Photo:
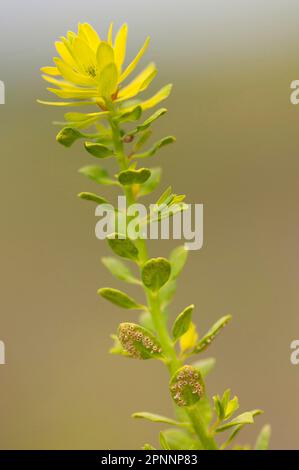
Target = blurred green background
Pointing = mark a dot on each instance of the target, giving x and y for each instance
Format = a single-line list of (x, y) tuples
[(231, 64)]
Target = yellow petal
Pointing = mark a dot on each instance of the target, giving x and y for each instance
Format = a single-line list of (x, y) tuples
[(77, 117), (64, 52), (189, 339), (110, 31), (85, 57), (157, 98), (71, 36), (134, 62), (76, 93), (108, 81), (65, 85), (139, 84), (63, 103), (120, 46), (54, 81), (105, 56), (89, 35), (70, 75), (51, 71)]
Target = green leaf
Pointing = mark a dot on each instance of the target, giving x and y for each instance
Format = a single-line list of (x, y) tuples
[(205, 365), (123, 247), (186, 386), (218, 407), (241, 420), (151, 184), (119, 270), (177, 439), (145, 319), (83, 120), (119, 298), (182, 322), (157, 146), (93, 197), (97, 174), (148, 447), (178, 258), (231, 407), (147, 123), (98, 150), (117, 348), (155, 273), (163, 441), (225, 407), (212, 333), (167, 293), (263, 440), (141, 141), (205, 410), (157, 418), (164, 198), (131, 115), (68, 135), (139, 342), (129, 177)]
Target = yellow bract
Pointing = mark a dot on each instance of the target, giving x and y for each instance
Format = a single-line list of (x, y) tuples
[(91, 70), (189, 339)]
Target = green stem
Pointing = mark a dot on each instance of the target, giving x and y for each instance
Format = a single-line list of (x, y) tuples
[(206, 439), (154, 304)]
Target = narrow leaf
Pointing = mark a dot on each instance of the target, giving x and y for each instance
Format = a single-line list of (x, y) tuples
[(212, 333), (97, 174), (147, 123), (141, 141), (156, 418), (119, 298), (178, 258), (263, 440), (117, 348), (182, 322), (148, 447), (151, 184), (177, 439), (244, 418), (163, 441), (119, 270), (154, 149), (131, 115), (205, 365), (93, 197)]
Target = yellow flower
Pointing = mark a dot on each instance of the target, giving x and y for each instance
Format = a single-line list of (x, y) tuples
[(91, 70)]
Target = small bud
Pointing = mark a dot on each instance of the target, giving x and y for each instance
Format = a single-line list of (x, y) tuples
[(186, 386), (139, 342), (128, 139)]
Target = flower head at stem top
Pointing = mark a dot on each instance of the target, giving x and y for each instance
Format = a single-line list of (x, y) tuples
[(91, 70)]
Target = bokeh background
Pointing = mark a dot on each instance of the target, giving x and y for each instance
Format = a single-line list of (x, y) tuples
[(231, 63)]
